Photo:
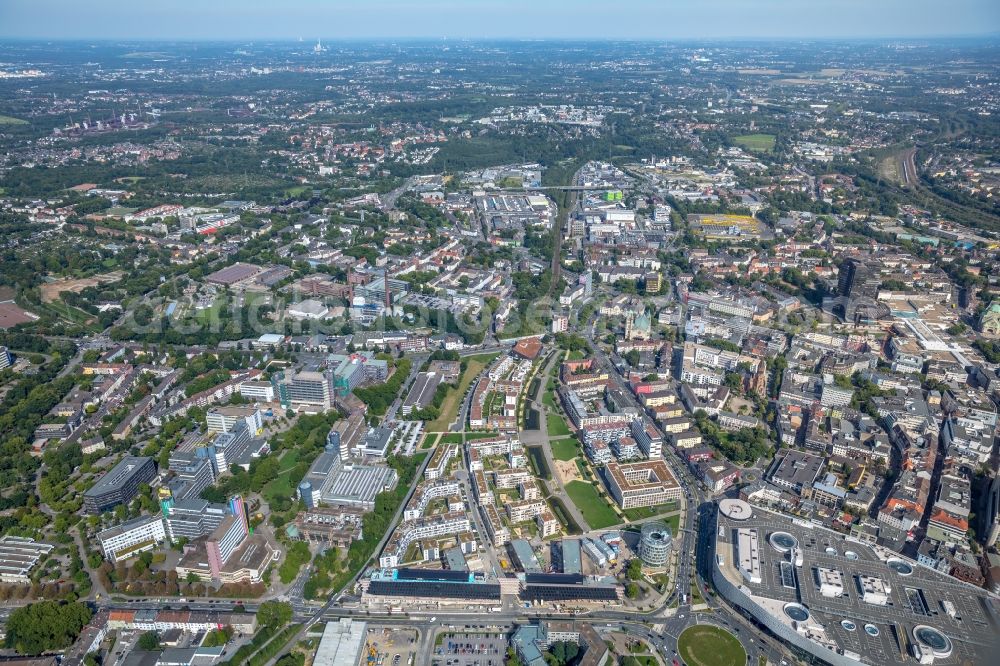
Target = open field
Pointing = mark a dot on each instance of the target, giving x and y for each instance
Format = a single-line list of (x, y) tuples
[(12, 314), (595, 509), (50, 290), (565, 449), (555, 426), (707, 645), (11, 120), (71, 313), (449, 407), (761, 143)]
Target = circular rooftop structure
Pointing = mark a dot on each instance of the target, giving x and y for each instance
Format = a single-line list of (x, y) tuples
[(899, 566), (933, 640), (872, 630), (796, 612), (655, 543), (735, 509), (831, 551), (783, 542), (851, 555), (848, 625)]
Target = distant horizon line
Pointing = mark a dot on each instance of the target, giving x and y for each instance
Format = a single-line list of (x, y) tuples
[(445, 39)]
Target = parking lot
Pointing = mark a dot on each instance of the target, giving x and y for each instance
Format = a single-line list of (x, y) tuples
[(470, 649), (393, 646)]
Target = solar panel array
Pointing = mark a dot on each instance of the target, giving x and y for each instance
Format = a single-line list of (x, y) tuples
[(435, 589)]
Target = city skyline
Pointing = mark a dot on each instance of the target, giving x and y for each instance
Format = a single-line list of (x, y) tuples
[(518, 19)]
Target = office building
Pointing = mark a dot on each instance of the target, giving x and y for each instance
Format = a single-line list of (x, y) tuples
[(307, 390), (231, 448), (225, 418), (648, 439), (192, 518), (6, 359), (655, 544), (639, 484), (259, 391), (192, 472), (132, 538), (120, 485), (408, 585), (840, 600)]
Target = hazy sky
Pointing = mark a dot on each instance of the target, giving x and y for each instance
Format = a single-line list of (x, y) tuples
[(563, 19)]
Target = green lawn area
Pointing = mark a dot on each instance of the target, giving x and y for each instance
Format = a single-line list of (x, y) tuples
[(644, 512), (449, 407), (11, 120), (210, 314), (279, 486), (556, 426), (673, 522), (72, 313), (548, 399), (761, 143), (639, 660), (288, 460), (595, 509), (707, 645), (430, 440), (565, 449), (456, 437)]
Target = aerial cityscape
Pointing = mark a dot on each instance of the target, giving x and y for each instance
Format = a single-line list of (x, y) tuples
[(493, 349)]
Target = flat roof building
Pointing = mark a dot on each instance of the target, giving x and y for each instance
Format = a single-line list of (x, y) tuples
[(571, 562), (843, 601), (796, 470), (231, 275), (334, 482), (646, 483), (341, 643), (308, 309), (131, 538), (18, 555), (421, 393), (120, 485)]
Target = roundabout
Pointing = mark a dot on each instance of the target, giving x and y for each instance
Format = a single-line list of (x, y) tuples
[(708, 645)]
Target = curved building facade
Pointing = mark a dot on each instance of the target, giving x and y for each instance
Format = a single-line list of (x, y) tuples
[(843, 601), (655, 544)]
